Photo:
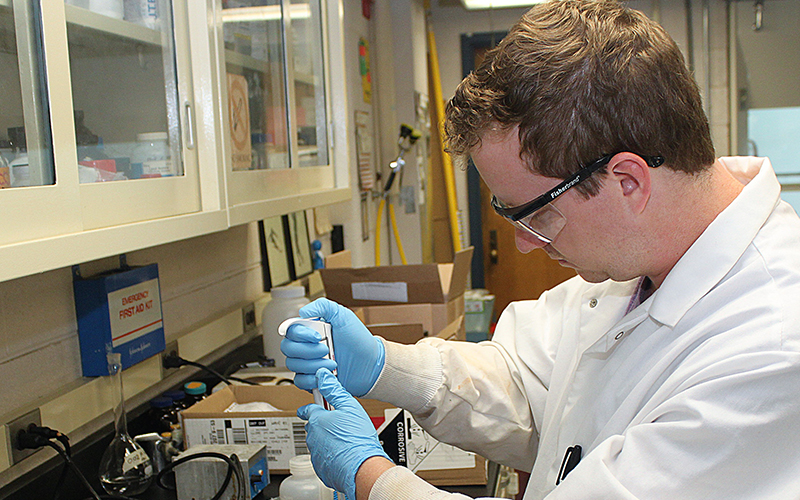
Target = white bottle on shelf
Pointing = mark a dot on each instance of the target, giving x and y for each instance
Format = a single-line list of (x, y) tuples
[(303, 484), (152, 154)]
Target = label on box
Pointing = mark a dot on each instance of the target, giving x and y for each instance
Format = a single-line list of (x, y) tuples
[(285, 437), (410, 446), (134, 311), (387, 292)]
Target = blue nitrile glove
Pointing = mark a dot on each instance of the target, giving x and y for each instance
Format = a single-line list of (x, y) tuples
[(339, 440), (359, 355)]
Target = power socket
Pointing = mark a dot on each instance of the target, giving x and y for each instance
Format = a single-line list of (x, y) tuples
[(171, 348), (249, 317), (20, 424)]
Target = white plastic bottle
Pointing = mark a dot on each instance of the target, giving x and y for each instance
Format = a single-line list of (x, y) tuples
[(152, 155), (303, 484), (286, 303)]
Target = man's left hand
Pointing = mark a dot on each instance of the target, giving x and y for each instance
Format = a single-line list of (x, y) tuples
[(339, 440)]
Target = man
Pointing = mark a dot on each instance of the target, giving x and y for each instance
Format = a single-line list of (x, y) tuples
[(669, 368)]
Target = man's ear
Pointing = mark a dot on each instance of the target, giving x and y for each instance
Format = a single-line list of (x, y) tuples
[(631, 176)]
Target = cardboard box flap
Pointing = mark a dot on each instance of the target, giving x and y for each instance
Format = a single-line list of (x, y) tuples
[(458, 277)]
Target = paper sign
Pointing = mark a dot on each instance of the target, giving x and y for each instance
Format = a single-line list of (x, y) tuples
[(387, 292), (134, 311)]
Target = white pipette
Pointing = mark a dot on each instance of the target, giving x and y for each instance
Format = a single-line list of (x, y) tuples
[(324, 329)]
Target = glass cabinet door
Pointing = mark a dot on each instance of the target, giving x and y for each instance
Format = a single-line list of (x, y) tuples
[(256, 84), (26, 157), (124, 91), (309, 89)]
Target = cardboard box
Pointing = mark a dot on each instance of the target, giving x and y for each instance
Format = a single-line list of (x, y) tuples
[(431, 295), (284, 434), (411, 333), (394, 285)]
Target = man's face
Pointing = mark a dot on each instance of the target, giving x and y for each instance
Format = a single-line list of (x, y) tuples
[(588, 242)]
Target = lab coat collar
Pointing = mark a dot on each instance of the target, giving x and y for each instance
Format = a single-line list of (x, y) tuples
[(723, 242)]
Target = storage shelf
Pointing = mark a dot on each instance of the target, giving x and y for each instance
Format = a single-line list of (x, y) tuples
[(248, 62), (98, 23)]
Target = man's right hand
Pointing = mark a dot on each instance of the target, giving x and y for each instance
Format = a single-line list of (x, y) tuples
[(359, 355)]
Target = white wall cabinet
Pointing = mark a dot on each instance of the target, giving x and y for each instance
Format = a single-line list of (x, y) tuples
[(119, 131), (280, 70)]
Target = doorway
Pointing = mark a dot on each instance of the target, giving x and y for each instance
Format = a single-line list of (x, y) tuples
[(765, 75), (497, 265)]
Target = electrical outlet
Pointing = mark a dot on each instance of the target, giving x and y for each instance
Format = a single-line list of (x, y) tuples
[(13, 427), (171, 348), (249, 317)]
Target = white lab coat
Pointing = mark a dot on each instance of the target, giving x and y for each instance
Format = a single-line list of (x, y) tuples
[(695, 394)]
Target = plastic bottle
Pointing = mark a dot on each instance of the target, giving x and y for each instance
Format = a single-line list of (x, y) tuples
[(195, 392), (286, 303), (178, 398), (160, 414), (303, 484), (151, 156)]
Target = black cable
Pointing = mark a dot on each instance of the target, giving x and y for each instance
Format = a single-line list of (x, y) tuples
[(233, 468), (175, 361), (74, 468)]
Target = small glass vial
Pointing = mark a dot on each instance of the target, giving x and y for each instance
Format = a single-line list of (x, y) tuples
[(303, 484), (195, 392)]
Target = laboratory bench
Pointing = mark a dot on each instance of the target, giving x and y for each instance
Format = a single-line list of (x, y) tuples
[(40, 484)]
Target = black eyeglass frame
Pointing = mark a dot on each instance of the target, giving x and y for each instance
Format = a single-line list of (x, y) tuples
[(521, 211)]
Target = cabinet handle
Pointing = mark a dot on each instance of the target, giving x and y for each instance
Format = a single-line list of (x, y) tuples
[(189, 125)]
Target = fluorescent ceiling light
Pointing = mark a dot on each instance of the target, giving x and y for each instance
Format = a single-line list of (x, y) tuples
[(264, 13), (497, 4)]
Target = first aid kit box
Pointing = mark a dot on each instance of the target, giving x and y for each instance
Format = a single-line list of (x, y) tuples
[(118, 311)]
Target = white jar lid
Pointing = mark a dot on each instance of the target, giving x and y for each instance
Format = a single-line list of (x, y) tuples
[(152, 136)]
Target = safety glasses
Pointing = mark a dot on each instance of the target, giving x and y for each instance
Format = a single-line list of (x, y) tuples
[(543, 220)]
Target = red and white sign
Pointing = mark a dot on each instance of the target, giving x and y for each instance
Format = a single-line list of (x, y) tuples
[(134, 311)]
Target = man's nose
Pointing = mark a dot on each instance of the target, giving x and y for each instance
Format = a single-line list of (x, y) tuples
[(526, 242)]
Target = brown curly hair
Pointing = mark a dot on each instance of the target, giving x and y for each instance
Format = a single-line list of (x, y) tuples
[(584, 78)]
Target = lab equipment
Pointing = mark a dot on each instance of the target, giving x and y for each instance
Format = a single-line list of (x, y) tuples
[(286, 303), (303, 483), (339, 441), (360, 355), (204, 475), (324, 330), (125, 468)]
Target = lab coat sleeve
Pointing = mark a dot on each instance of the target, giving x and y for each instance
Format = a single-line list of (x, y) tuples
[(464, 394), (729, 431), (399, 482)]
